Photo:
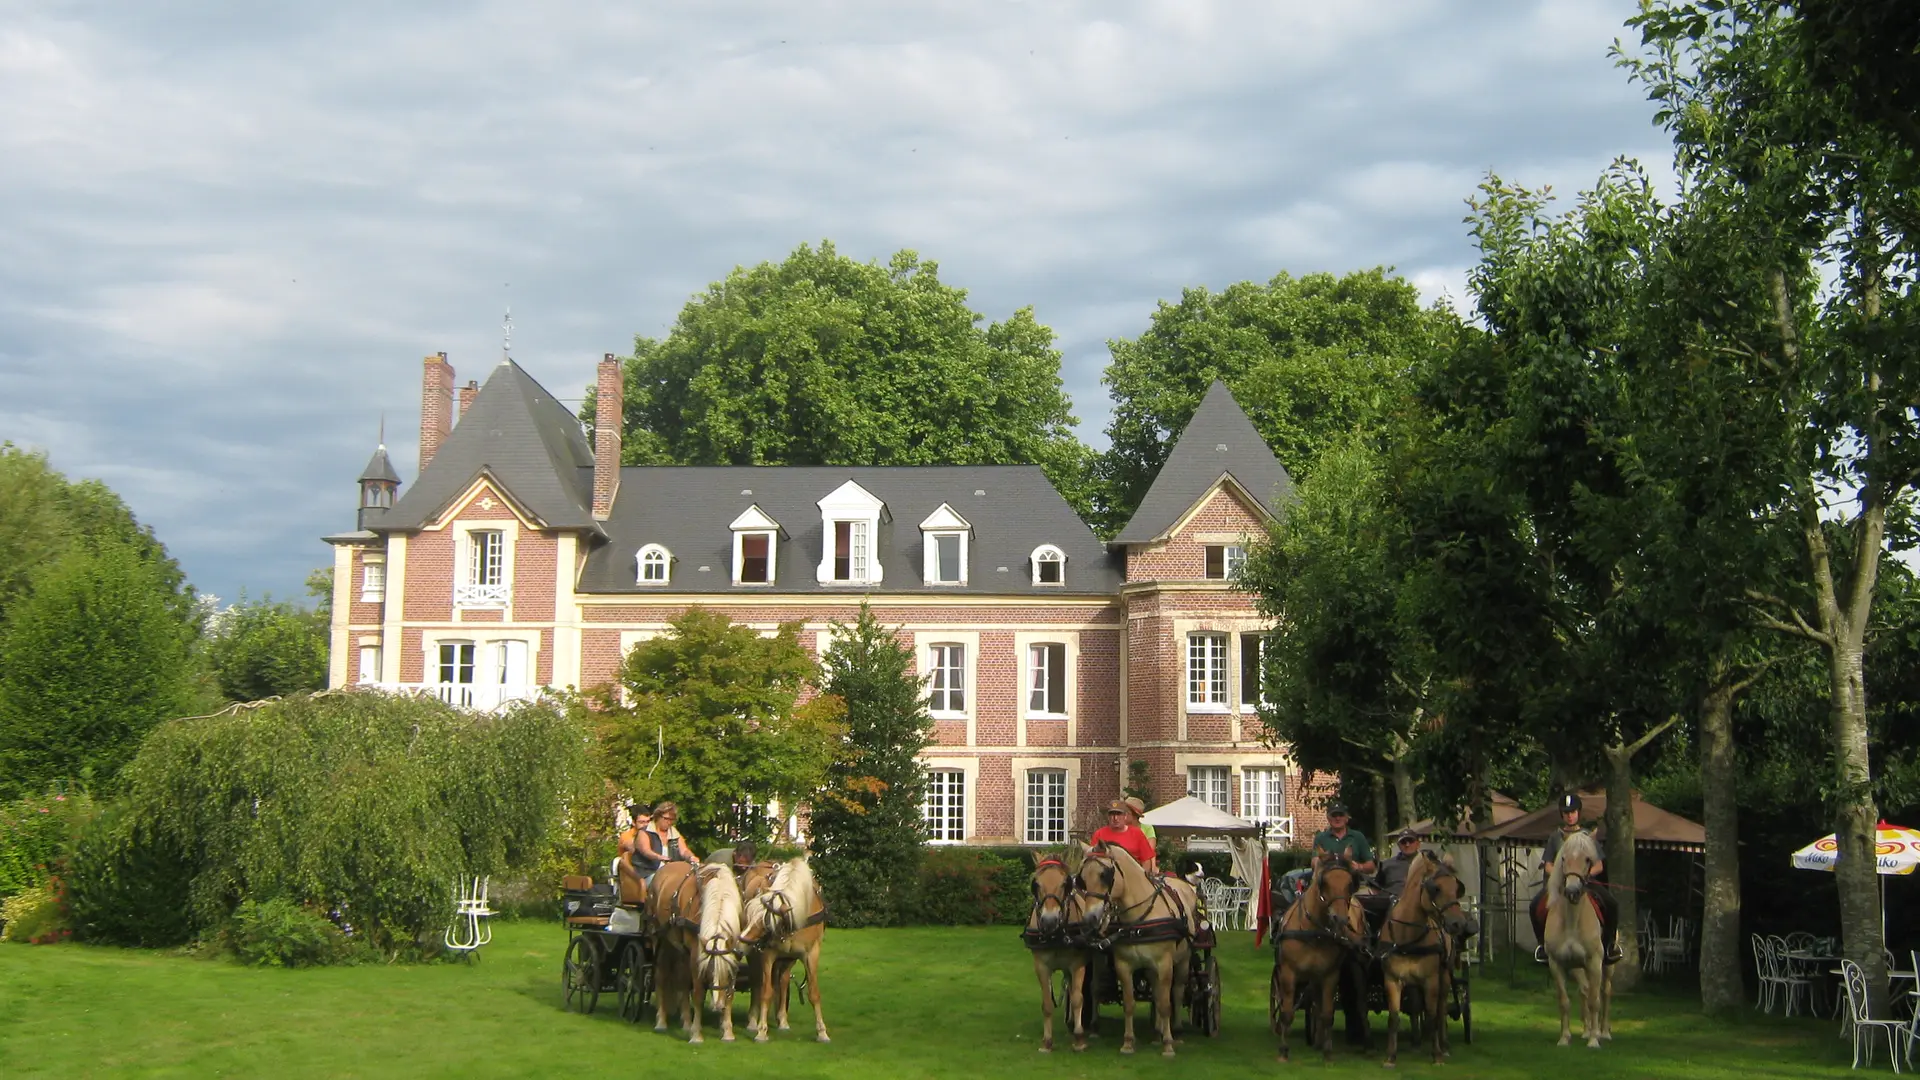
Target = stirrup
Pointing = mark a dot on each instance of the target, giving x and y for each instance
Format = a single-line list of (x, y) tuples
[(1616, 954), (1539, 954)]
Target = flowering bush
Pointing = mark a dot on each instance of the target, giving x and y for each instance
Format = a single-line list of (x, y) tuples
[(36, 916), (34, 833)]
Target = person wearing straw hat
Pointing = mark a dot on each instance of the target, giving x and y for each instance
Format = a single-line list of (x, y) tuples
[(1122, 830)]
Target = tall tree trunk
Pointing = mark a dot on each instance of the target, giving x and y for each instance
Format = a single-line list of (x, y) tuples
[(1721, 990), (1622, 873), (1857, 817), (1379, 781), (1403, 788)]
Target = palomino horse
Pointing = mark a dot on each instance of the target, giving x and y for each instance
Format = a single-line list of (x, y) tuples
[(1052, 936), (1150, 920), (1422, 930), (695, 911), (1312, 944), (1574, 941), (785, 922)]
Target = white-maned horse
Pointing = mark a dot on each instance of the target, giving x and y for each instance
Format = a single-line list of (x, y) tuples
[(1574, 941)]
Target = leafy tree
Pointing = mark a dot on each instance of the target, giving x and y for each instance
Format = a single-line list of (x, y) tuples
[(1819, 204), (867, 824), (266, 649), (712, 720), (823, 360), (90, 661), (1310, 359)]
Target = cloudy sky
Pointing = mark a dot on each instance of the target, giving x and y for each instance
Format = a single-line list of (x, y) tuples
[(231, 231)]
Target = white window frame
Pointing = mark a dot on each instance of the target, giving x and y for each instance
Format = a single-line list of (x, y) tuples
[(1020, 767), (1270, 784), (1232, 558), (1047, 553), (369, 671), (655, 555), (1207, 682), (923, 643), (852, 504), (373, 579), (1258, 639), (1046, 775), (1038, 677), (944, 667), (944, 522), (947, 822), (1216, 779), (469, 591), (859, 556), (755, 522)]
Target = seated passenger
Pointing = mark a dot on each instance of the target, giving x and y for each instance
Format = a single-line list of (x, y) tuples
[(659, 843), (1123, 832)]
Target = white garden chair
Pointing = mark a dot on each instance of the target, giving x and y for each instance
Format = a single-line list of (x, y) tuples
[(1763, 970), (470, 927), (1791, 979), (1863, 1026)]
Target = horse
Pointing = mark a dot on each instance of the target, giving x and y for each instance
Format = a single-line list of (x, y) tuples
[(1052, 938), (1311, 945), (695, 911), (1152, 920), (785, 921), (1574, 941), (1422, 929)]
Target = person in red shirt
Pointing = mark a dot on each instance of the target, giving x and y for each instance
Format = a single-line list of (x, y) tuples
[(1124, 833)]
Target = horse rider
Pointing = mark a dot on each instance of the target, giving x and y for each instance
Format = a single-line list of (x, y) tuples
[(1609, 909), (1393, 869), (659, 843), (1338, 838), (1122, 830)]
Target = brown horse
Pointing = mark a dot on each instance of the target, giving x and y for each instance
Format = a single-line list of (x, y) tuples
[(1423, 928), (1150, 921), (695, 911), (1574, 942), (1051, 935), (785, 921), (1312, 943)]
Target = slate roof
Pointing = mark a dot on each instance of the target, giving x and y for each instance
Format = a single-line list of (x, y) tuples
[(687, 510), (380, 467), (526, 439), (1219, 439)]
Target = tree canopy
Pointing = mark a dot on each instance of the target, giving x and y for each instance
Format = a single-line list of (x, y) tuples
[(264, 648), (824, 360)]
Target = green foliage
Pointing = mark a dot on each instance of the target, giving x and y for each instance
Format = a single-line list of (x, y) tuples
[(364, 806), (1311, 359), (822, 360), (35, 832), (90, 661), (1139, 781), (127, 880), (724, 703), (281, 933), (37, 916), (960, 886), (867, 824), (265, 649)]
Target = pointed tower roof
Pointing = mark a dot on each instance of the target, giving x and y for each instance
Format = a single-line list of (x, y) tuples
[(520, 435), (1219, 441), (379, 467)]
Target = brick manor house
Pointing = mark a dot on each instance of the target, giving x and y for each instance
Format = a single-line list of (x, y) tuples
[(524, 556)]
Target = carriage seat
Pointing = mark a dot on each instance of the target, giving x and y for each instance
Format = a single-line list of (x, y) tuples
[(630, 889)]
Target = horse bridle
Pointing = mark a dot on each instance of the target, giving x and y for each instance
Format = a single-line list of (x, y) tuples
[(1431, 887), (1326, 923), (1040, 899), (1108, 908)]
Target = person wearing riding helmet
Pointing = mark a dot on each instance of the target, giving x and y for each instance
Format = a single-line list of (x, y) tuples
[(1609, 910)]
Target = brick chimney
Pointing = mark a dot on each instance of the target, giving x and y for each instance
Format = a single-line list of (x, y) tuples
[(607, 418), (467, 394), (436, 405)]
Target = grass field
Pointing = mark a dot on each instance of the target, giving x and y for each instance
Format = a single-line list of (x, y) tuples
[(918, 1002)]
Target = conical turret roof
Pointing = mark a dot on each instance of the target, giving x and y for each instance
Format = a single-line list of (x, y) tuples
[(1219, 440), (380, 467)]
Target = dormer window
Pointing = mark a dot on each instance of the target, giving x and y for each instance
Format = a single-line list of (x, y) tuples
[(1223, 561), (850, 528), (656, 565), (754, 547), (1049, 565), (946, 536)]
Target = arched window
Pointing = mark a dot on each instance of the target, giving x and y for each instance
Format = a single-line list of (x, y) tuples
[(656, 564), (1049, 565)]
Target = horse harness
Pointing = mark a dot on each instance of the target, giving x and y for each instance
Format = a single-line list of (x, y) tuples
[(1067, 935), (1322, 930), (1171, 928), (1432, 925)]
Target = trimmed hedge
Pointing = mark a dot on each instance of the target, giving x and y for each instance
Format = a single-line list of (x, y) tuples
[(962, 885)]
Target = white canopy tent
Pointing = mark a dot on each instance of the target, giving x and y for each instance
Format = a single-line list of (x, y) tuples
[(1192, 817)]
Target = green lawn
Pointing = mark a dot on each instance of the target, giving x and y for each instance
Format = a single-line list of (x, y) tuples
[(900, 1003)]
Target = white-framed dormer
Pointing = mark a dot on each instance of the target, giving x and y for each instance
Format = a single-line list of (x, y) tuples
[(850, 533), (945, 535), (1049, 565), (756, 543), (483, 563), (653, 565)]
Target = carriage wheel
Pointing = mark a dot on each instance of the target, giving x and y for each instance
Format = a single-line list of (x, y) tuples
[(1093, 983), (1273, 1000), (635, 980), (1463, 992), (1203, 996), (580, 973)]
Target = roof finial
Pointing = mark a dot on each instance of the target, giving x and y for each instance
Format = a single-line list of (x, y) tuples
[(383, 429), (506, 337)]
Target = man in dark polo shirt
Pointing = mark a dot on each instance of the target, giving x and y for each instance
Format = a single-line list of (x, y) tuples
[(1338, 839)]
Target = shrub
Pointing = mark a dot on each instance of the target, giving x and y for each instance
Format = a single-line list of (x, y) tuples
[(34, 833), (359, 804), (281, 933), (971, 885), (35, 916)]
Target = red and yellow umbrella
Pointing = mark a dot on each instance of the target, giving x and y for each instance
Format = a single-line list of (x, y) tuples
[(1896, 851)]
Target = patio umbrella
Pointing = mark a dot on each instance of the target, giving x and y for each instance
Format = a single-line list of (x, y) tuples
[(1896, 847)]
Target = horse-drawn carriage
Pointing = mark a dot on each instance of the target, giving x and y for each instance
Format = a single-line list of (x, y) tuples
[(608, 951)]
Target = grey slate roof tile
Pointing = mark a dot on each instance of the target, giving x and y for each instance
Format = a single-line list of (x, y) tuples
[(687, 509), (1219, 439)]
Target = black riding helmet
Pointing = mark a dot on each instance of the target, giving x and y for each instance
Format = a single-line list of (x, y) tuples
[(1570, 802)]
